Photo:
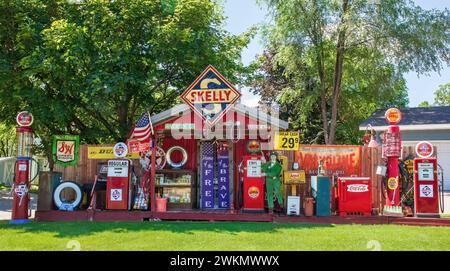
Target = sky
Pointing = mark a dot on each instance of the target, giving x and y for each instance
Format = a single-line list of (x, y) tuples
[(243, 14)]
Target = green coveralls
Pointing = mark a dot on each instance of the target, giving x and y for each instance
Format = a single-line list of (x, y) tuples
[(273, 182)]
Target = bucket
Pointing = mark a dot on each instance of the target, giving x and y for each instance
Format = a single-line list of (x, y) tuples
[(161, 205), (309, 206)]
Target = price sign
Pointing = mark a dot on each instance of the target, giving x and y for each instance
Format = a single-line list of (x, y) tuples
[(289, 141)]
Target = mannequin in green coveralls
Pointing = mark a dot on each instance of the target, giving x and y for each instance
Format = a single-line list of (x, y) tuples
[(272, 171)]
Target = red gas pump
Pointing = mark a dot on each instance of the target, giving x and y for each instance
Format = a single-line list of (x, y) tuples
[(426, 191), (118, 180), (22, 178), (392, 150), (253, 191)]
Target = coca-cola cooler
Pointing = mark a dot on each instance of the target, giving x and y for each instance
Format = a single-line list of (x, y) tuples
[(354, 196)]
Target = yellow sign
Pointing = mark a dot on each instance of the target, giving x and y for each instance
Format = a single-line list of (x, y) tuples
[(106, 153), (288, 141), (294, 176), (392, 183)]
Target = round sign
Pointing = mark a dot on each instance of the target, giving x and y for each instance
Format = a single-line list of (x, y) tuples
[(24, 119), (120, 150), (393, 116), (392, 183), (253, 192), (424, 149), (160, 158)]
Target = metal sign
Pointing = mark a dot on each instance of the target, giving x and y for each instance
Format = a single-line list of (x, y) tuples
[(120, 150), (66, 149), (210, 95), (424, 149), (288, 141), (101, 153), (118, 168)]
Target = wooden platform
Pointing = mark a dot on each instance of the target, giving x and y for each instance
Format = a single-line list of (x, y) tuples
[(146, 215), (232, 216)]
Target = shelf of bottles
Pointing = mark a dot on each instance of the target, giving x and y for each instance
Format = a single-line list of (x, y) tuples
[(178, 186)]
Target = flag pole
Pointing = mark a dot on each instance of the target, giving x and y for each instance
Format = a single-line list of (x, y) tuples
[(153, 167)]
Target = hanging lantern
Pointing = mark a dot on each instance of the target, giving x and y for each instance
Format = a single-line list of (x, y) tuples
[(373, 140), (370, 138)]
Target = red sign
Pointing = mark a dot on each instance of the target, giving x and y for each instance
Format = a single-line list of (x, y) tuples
[(136, 146), (424, 149), (393, 116), (24, 119), (338, 160), (210, 95)]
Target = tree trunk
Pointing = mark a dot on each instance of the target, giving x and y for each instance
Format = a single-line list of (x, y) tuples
[(340, 51), (122, 112), (51, 163)]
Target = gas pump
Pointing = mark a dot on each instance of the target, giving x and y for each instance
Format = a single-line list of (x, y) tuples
[(253, 187), (118, 180), (22, 178), (426, 190), (392, 150)]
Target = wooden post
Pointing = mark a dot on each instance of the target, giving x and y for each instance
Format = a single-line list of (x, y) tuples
[(153, 175)]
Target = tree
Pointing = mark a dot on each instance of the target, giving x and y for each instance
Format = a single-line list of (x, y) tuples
[(330, 37), (442, 95), (91, 68), (424, 104), (7, 140)]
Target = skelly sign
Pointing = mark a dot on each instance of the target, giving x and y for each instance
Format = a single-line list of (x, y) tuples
[(66, 149), (210, 95)]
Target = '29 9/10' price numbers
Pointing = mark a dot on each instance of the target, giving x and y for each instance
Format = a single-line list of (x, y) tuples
[(289, 141)]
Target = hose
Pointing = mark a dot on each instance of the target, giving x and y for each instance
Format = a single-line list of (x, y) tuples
[(441, 189)]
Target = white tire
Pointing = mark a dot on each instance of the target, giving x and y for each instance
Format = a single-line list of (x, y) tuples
[(70, 185), (169, 159)]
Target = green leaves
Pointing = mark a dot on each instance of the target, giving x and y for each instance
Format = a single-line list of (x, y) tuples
[(442, 95), (92, 68), (374, 42)]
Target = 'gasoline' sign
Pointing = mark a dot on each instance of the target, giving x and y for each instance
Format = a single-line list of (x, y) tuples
[(289, 141), (210, 95)]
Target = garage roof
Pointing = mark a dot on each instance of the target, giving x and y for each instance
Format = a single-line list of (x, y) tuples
[(414, 118)]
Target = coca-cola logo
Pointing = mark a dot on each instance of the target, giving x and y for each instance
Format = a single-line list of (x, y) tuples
[(358, 188)]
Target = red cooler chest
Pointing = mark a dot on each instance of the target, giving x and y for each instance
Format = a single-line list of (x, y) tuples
[(354, 196)]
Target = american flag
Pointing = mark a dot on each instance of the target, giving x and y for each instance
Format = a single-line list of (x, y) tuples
[(143, 128)]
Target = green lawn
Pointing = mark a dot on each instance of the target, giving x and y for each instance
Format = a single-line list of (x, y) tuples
[(219, 236)]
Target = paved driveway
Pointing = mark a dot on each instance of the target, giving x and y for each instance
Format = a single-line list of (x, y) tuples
[(6, 204)]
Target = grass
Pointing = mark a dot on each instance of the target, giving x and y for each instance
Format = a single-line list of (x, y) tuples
[(219, 236), (3, 186)]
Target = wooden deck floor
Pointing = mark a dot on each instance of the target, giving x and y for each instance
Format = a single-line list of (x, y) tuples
[(231, 216)]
